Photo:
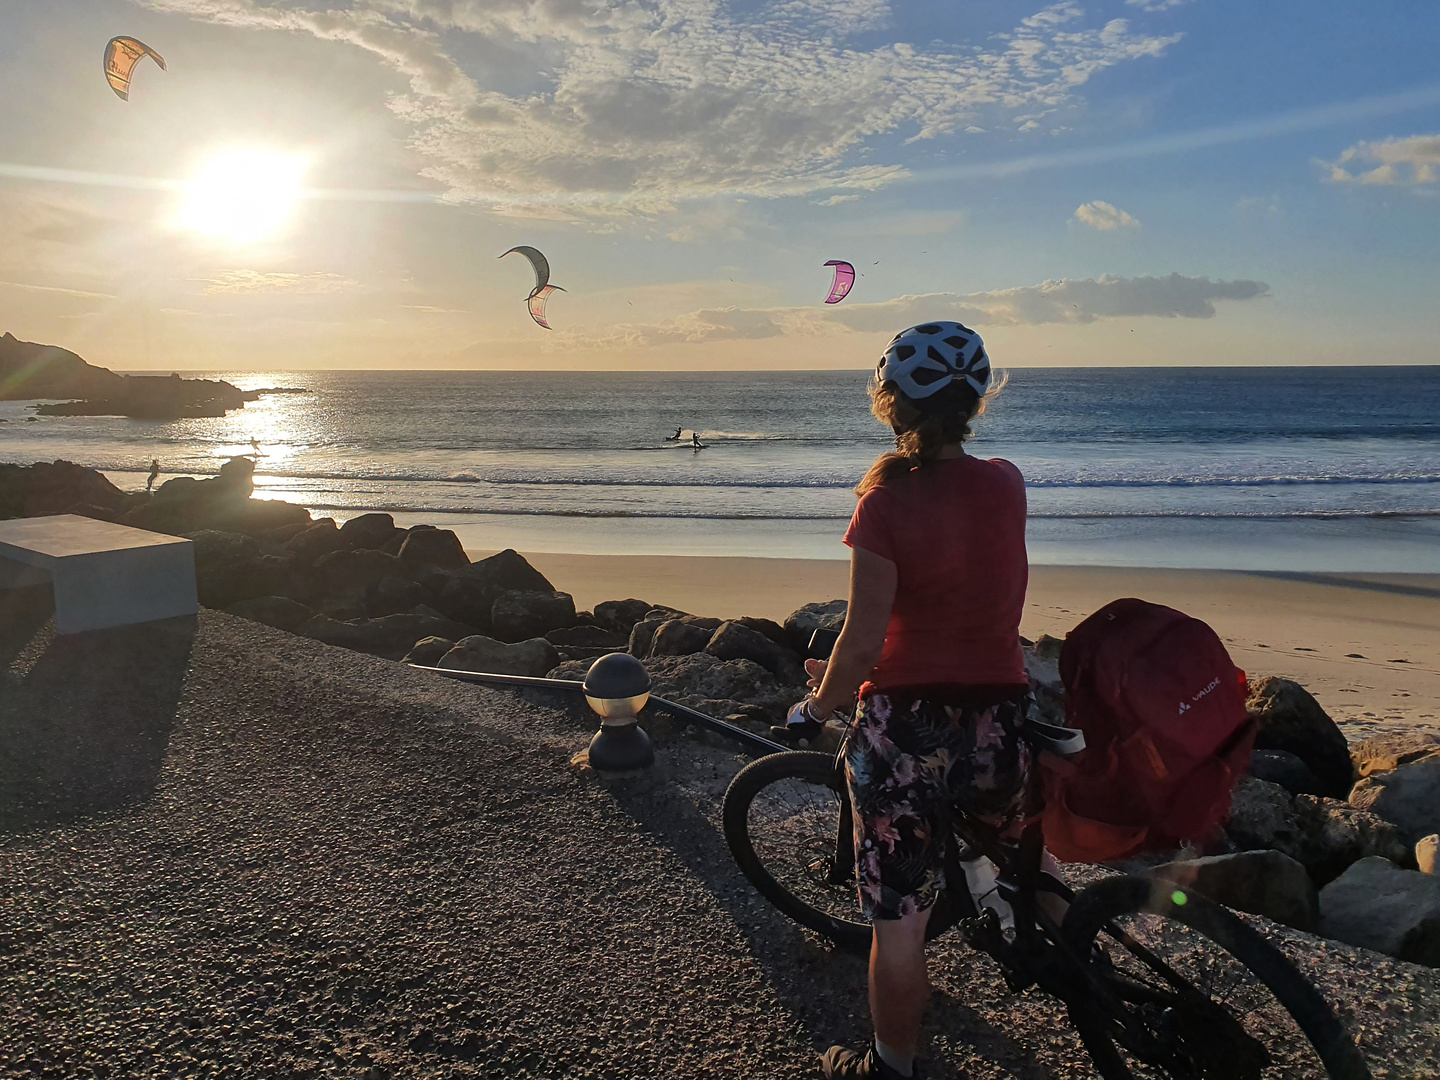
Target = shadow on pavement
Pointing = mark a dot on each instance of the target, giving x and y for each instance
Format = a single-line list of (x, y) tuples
[(85, 719), (823, 988)]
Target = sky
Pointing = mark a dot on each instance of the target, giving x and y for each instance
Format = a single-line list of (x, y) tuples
[(322, 184)]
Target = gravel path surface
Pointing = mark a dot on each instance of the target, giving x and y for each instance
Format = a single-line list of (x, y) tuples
[(234, 852)]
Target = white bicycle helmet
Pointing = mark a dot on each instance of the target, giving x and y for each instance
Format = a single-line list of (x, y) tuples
[(925, 359)]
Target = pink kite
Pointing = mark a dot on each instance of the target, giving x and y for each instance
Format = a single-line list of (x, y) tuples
[(537, 300), (844, 278)]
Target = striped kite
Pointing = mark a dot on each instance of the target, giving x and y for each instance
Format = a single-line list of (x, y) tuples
[(536, 303)]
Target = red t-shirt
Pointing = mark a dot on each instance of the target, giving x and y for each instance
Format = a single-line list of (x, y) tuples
[(955, 530)]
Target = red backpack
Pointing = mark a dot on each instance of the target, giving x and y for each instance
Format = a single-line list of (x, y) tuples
[(1163, 711)]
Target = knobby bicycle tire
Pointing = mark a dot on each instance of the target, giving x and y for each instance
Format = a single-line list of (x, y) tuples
[(810, 767), (1095, 911)]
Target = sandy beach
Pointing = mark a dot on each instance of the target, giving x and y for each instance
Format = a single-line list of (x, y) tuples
[(1366, 645)]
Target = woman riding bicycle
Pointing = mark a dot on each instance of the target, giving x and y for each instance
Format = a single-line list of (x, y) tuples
[(931, 644)]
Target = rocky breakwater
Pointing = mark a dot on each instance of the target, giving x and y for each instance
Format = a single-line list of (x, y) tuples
[(1332, 838), (181, 506)]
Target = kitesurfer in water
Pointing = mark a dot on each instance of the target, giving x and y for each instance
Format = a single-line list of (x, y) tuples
[(695, 440), (675, 437)]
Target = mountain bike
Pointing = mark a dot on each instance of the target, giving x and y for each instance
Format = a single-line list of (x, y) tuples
[(1157, 980)]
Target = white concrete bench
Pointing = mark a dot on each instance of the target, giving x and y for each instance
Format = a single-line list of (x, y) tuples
[(103, 574)]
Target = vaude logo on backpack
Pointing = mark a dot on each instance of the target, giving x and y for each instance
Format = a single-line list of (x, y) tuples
[(1162, 707)]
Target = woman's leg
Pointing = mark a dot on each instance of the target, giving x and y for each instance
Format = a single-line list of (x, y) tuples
[(899, 982)]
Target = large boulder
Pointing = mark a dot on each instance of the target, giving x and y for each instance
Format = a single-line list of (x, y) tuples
[(1427, 854), (434, 547), (1286, 769), (278, 611), (392, 595), (1290, 719), (533, 658), (229, 568), (642, 637), (391, 637), (428, 651), (467, 600), (1376, 905), (703, 676), (55, 488), (769, 627), (1323, 834), (508, 571), (212, 547), (1408, 796), (1391, 750), (587, 637), (343, 571), (368, 531), (314, 541), (804, 621), (184, 505), (1267, 883), (519, 616), (620, 615), (678, 637), (735, 641)]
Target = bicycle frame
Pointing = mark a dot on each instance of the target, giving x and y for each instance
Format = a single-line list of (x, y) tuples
[(1037, 954)]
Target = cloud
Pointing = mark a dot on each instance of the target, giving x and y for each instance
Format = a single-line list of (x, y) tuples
[(1104, 217), (1415, 160), (253, 281), (1082, 300), (642, 104), (57, 289)]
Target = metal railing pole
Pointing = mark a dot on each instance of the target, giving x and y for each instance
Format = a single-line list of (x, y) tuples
[(754, 745)]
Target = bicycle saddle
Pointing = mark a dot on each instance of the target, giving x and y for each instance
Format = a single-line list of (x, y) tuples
[(1059, 740)]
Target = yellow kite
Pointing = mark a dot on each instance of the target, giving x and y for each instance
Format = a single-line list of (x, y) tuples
[(121, 56)]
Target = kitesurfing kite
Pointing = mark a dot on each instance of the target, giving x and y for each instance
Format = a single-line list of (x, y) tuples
[(542, 290), (538, 261), (844, 278), (536, 303), (121, 56)]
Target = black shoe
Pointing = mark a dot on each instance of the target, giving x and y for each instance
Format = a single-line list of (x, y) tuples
[(838, 1063), (801, 734)]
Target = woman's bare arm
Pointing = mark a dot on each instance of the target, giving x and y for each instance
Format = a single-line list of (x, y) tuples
[(872, 594)]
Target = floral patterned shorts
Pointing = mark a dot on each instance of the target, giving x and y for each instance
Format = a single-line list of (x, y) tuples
[(910, 760)]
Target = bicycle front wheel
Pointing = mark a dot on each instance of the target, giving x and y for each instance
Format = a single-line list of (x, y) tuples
[(787, 822), (1183, 988)]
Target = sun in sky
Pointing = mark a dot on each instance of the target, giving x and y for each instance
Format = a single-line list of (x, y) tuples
[(242, 195)]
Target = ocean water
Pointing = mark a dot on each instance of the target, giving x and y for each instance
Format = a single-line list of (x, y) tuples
[(1268, 468)]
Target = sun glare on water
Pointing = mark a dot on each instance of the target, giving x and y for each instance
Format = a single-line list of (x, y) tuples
[(243, 196)]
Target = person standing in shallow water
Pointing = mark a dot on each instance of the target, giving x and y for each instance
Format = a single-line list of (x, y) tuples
[(931, 645), (154, 473)]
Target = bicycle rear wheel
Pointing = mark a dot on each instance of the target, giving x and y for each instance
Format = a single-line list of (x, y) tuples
[(787, 822), (1183, 988)]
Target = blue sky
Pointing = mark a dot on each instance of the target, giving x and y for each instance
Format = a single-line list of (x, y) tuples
[(1122, 182)]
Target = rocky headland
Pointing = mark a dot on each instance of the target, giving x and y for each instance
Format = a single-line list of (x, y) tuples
[(1324, 836), (32, 371)]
